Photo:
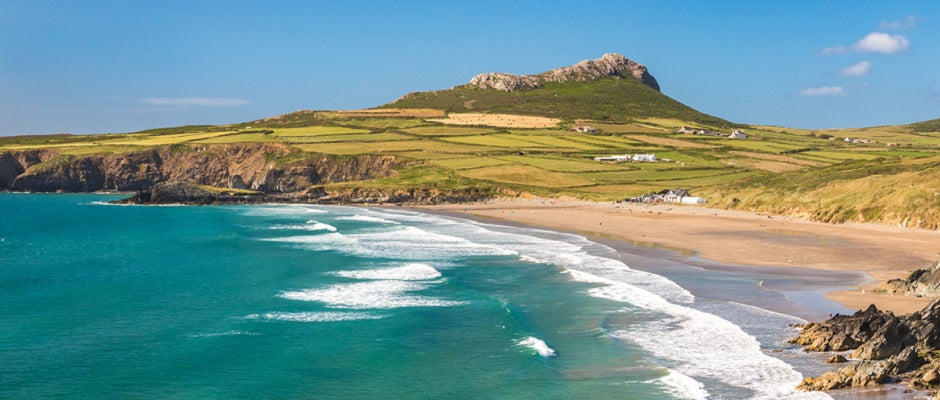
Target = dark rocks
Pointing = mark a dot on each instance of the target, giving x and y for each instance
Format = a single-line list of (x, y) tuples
[(189, 193), (836, 359), (889, 348), (921, 283), (842, 332)]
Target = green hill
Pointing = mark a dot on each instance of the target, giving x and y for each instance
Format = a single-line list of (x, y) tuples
[(605, 99)]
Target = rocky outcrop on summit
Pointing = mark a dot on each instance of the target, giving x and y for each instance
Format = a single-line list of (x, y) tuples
[(610, 65), (888, 348), (921, 283)]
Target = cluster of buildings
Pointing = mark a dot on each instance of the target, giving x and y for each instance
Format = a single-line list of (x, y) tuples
[(677, 196), (736, 134), (584, 129), (628, 157), (858, 141)]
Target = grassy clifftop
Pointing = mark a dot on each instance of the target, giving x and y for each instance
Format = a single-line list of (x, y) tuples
[(607, 99)]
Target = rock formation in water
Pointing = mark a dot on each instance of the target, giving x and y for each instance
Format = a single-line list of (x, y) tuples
[(887, 348), (610, 65)]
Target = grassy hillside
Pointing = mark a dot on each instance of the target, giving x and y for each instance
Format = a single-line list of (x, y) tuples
[(608, 99), (812, 173)]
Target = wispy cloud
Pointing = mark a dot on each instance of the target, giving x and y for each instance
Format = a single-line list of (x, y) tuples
[(859, 69), (875, 42), (823, 91), (194, 101), (931, 91), (907, 23)]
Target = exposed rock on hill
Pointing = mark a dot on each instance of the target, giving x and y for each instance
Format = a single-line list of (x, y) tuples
[(921, 283), (889, 348), (610, 65)]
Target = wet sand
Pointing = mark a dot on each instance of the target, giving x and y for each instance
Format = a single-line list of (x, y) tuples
[(740, 238), (810, 290)]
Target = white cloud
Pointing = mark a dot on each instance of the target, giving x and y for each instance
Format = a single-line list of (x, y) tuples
[(859, 69), (875, 42), (823, 91), (834, 50), (909, 22), (194, 101)]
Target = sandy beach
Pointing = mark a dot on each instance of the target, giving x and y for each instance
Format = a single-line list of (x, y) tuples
[(883, 252)]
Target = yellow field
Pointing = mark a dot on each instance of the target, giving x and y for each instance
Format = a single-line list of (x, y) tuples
[(469, 163), (498, 120), (623, 128), (393, 112), (446, 131), (526, 175), (671, 142), (494, 140), (317, 131), (362, 137), (387, 147), (158, 140)]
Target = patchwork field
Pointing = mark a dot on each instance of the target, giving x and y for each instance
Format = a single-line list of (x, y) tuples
[(540, 155), (499, 120)]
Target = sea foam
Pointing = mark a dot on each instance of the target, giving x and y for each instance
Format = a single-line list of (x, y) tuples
[(328, 316), (407, 272), (538, 345), (702, 345), (682, 386), (380, 294), (696, 344), (365, 218)]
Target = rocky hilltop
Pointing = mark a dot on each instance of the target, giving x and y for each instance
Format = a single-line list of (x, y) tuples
[(887, 348), (610, 65)]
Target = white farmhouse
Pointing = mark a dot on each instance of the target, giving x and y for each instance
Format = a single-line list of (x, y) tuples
[(737, 134), (625, 157)]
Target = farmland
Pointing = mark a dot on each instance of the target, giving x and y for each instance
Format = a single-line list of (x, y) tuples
[(551, 159)]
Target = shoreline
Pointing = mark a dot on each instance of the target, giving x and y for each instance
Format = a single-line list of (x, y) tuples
[(806, 302), (744, 239), (810, 297)]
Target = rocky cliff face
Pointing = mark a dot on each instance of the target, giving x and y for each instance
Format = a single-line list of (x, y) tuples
[(921, 283), (610, 65), (249, 166), (889, 348)]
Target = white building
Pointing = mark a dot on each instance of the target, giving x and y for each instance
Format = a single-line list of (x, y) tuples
[(584, 129), (625, 157), (737, 134), (644, 157)]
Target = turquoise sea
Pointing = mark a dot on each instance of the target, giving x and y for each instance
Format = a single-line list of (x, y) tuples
[(325, 302)]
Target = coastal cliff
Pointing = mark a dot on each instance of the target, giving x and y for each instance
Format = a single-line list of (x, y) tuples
[(887, 348), (266, 168), (222, 174)]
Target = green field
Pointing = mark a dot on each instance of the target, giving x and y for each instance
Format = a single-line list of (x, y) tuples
[(775, 170)]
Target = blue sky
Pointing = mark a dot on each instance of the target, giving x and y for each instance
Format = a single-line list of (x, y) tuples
[(118, 66)]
